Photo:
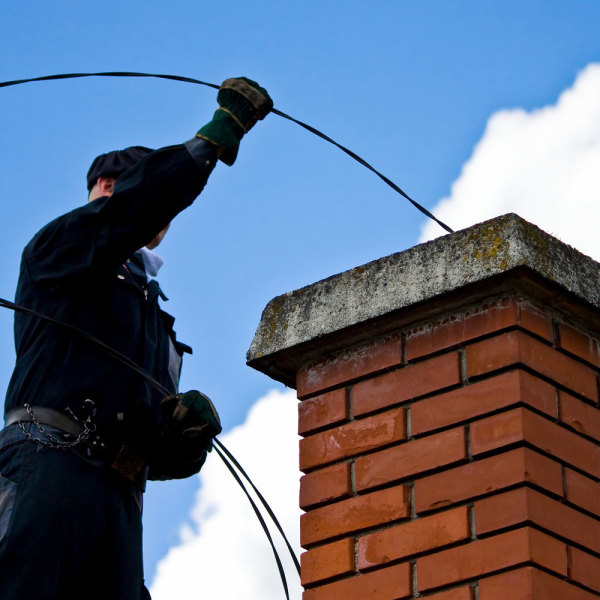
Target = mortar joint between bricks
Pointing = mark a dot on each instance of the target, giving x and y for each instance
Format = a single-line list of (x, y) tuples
[(353, 477), (408, 415), (471, 509), (475, 589), (462, 364), (411, 499), (413, 579), (468, 442), (555, 334), (350, 402)]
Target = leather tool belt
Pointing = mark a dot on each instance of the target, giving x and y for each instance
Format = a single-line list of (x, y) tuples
[(46, 416), (94, 449)]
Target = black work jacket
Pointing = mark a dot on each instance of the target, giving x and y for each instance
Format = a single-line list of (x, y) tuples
[(75, 270)]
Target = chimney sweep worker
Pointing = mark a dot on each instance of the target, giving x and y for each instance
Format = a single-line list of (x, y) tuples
[(83, 432)]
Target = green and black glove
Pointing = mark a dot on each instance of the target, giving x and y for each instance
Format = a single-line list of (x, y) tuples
[(242, 102), (191, 422)]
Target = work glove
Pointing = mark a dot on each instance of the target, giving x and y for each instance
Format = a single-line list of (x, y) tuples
[(242, 102), (191, 422)]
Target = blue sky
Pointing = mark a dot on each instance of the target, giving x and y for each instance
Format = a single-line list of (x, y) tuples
[(408, 85)]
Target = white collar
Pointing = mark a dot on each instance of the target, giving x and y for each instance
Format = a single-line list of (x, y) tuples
[(152, 262)]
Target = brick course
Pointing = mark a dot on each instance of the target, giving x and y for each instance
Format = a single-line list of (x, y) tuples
[(522, 425), (526, 505), (486, 476), (406, 383), (353, 438), (321, 411), (579, 343), (327, 561), (530, 584), (579, 415), (414, 537), (585, 568), (392, 583), (332, 371), (483, 397), (516, 347), (354, 514), (461, 593), (492, 554), (325, 484), (582, 491), (410, 458), (476, 322)]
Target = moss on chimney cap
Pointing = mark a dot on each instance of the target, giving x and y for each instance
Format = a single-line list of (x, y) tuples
[(368, 294)]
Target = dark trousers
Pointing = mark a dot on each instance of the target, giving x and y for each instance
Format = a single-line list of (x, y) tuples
[(68, 529)]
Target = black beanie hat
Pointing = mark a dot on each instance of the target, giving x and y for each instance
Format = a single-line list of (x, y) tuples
[(112, 164)]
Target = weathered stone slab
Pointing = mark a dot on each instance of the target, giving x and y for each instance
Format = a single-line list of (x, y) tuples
[(371, 295)]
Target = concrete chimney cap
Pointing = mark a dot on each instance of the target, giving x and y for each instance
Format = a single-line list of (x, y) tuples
[(443, 269)]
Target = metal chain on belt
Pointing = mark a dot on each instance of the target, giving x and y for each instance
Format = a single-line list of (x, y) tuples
[(52, 441)]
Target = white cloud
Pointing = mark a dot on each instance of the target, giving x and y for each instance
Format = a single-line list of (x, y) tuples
[(223, 552), (544, 165)]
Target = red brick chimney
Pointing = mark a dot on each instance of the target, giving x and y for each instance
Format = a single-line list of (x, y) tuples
[(450, 420)]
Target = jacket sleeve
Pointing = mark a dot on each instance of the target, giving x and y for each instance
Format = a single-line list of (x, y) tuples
[(169, 468), (98, 237)]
